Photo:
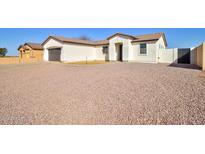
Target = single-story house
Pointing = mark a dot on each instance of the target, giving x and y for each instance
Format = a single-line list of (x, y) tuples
[(150, 48), (118, 47), (30, 52)]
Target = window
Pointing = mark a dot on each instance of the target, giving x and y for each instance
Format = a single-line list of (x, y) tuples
[(143, 49), (105, 49)]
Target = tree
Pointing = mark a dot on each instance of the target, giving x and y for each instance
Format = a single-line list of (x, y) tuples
[(84, 37), (3, 52)]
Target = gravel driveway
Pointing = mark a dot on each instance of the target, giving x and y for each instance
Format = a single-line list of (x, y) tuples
[(113, 93)]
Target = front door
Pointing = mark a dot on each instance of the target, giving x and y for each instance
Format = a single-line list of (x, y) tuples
[(120, 52)]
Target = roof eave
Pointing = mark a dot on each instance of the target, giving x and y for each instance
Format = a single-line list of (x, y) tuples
[(102, 44), (33, 47), (116, 34), (89, 44), (145, 40), (19, 47), (50, 37)]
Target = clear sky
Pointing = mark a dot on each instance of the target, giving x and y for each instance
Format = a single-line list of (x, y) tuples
[(176, 37)]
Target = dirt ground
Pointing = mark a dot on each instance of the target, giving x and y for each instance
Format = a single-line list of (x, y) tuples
[(111, 93)]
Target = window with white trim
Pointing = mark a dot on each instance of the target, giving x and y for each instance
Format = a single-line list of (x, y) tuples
[(143, 49), (105, 49)]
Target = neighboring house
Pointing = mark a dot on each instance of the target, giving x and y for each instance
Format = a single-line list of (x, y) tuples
[(118, 47), (30, 52)]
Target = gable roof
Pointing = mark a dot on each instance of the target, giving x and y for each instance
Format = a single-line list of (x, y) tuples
[(141, 38), (20, 46), (71, 40), (120, 34), (150, 37), (102, 42), (34, 46), (74, 40)]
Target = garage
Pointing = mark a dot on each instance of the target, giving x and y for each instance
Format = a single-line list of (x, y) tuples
[(54, 54), (184, 56)]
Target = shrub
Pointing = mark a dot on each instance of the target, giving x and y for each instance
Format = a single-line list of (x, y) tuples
[(3, 52)]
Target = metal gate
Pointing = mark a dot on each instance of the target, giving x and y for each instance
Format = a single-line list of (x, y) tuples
[(54, 54), (184, 56)]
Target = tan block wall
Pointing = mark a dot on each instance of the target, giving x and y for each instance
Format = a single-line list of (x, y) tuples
[(203, 59), (199, 56), (9, 60)]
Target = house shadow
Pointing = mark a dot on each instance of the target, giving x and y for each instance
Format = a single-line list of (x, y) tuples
[(187, 66)]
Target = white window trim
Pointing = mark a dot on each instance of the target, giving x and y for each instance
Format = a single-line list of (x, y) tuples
[(107, 49), (141, 54)]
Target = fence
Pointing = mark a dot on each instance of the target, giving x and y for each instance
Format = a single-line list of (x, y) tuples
[(9, 60), (25, 58), (199, 56), (168, 55)]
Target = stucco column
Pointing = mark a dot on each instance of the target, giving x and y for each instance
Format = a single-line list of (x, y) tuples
[(127, 52), (45, 55), (112, 55), (62, 55)]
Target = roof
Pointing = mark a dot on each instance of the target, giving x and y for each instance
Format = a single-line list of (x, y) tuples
[(78, 41), (102, 42), (34, 46), (141, 38), (150, 37), (120, 34), (19, 47)]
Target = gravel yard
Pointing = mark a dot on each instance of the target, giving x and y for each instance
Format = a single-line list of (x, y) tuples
[(112, 93)]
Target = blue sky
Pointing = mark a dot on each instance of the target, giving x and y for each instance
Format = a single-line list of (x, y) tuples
[(176, 37)]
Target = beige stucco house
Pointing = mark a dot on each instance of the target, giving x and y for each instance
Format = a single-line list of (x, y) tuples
[(118, 47), (148, 48)]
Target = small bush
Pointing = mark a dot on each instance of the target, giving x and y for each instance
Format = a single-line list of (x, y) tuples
[(3, 52)]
